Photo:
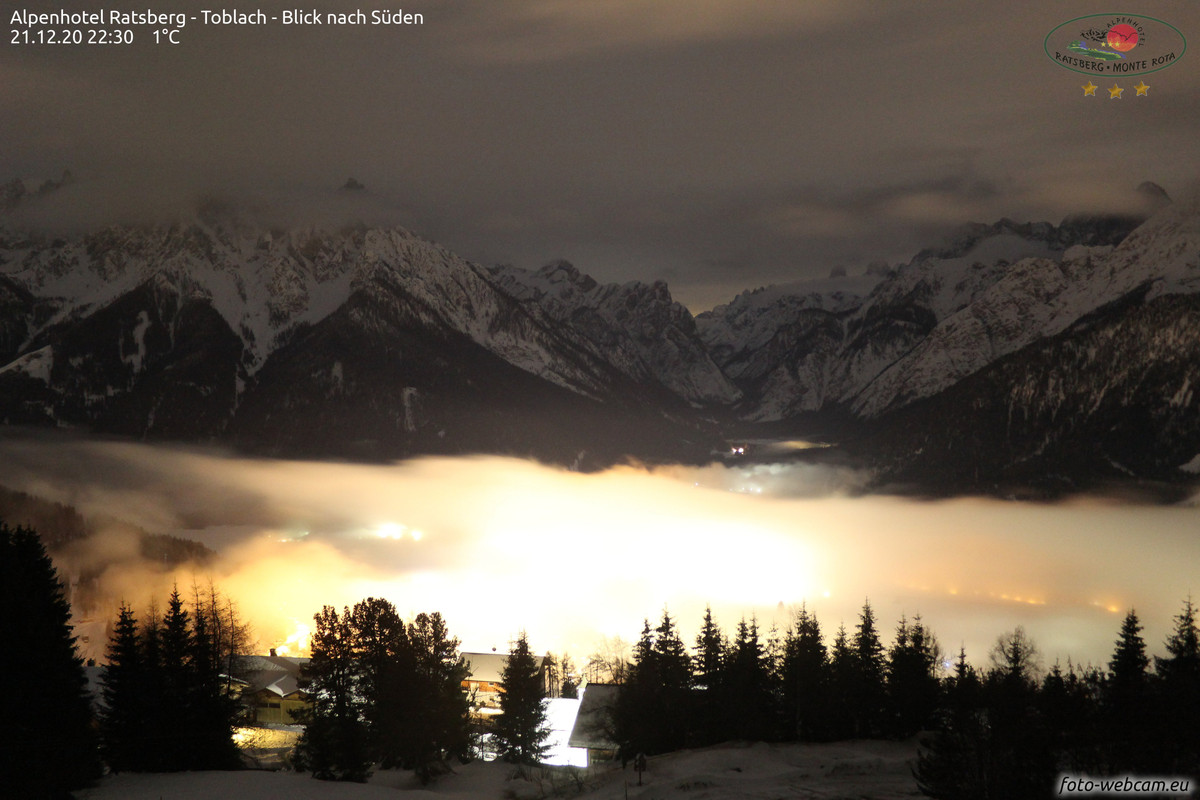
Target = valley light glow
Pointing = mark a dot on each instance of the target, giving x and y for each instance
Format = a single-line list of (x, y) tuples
[(507, 544)]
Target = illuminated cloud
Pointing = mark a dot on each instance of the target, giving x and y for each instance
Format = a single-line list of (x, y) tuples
[(506, 544)]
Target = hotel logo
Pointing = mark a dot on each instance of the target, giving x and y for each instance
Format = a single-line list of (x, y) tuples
[(1115, 45)]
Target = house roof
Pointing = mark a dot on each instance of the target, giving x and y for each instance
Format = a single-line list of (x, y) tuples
[(490, 666), (593, 724), (486, 666), (275, 674)]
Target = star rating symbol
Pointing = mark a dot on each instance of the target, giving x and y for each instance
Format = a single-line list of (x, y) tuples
[(1142, 88), (1115, 92), (1090, 89)]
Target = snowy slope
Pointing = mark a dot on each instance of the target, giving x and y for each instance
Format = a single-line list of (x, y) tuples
[(1038, 298), (876, 343), (319, 338), (636, 327), (875, 769), (265, 284)]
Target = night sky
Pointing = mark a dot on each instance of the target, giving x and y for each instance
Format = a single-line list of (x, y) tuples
[(718, 144)]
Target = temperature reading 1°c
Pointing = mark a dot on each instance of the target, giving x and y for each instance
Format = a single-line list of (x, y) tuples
[(167, 36)]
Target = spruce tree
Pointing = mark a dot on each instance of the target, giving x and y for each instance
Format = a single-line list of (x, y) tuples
[(710, 653), (954, 761), (1179, 688), (639, 707), (1127, 696), (122, 723), (843, 687), (47, 743), (156, 722), (521, 729), (805, 678), (708, 666), (869, 670), (675, 680), (749, 712), (912, 682), (179, 685)]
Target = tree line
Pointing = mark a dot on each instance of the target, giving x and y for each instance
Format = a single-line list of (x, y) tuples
[(168, 698), (384, 692), (1003, 732), (388, 693)]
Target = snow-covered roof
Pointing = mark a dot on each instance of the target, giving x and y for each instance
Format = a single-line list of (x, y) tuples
[(593, 723), (276, 674)]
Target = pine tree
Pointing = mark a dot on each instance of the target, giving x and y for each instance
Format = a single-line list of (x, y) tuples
[(912, 683), (1126, 699), (334, 743), (386, 669), (179, 685), (805, 677), (708, 666), (870, 668), (441, 716), (710, 653), (217, 709), (675, 681), (749, 711), (1179, 688), (843, 686), (653, 713), (156, 724), (639, 705), (122, 723), (47, 744), (522, 729)]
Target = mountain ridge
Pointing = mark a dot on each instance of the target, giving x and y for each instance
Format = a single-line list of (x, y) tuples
[(365, 342)]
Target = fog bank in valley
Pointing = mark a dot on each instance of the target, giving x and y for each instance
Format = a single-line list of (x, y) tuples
[(499, 544)]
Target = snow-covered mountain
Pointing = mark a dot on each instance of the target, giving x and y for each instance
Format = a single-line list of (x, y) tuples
[(297, 338), (879, 341), (822, 346), (373, 342), (636, 327)]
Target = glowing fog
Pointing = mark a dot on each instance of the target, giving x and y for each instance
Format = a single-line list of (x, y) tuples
[(499, 544)]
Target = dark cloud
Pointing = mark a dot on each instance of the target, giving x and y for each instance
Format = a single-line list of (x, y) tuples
[(717, 143)]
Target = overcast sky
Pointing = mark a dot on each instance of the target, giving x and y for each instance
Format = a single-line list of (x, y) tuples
[(718, 144)]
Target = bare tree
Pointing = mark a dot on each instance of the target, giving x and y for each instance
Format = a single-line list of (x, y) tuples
[(609, 663), (1016, 656)]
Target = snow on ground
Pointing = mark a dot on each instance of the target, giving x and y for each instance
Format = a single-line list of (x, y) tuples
[(871, 769)]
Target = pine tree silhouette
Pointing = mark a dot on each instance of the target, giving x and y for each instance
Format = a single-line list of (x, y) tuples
[(1127, 699), (122, 724), (334, 743), (805, 678), (1179, 707), (708, 665), (441, 718), (912, 678), (47, 744), (870, 696), (522, 729)]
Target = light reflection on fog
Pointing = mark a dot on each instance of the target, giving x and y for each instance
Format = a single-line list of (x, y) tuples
[(500, 544)]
